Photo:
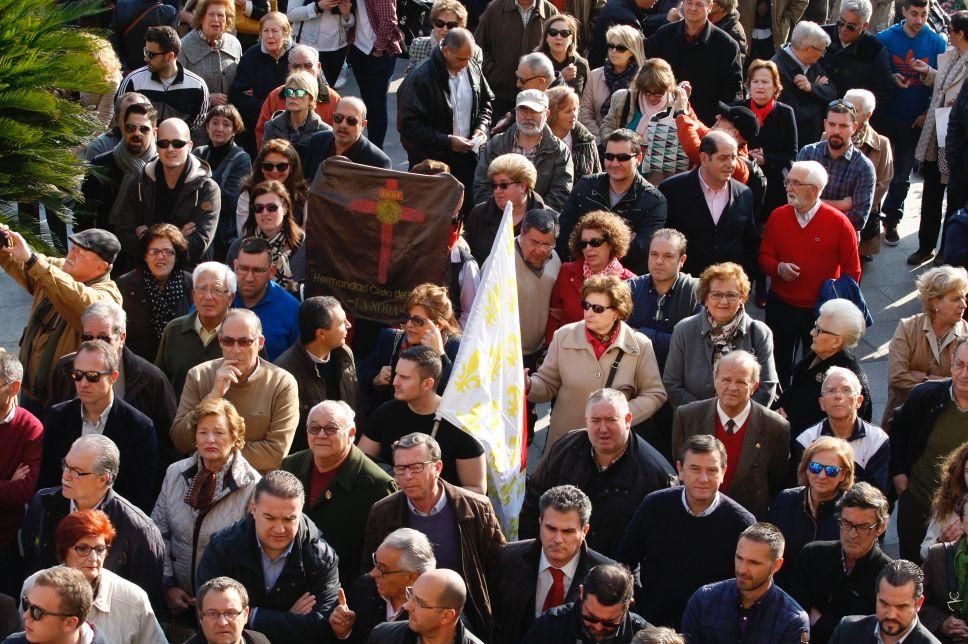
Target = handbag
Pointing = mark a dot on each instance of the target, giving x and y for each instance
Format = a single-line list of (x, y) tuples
[(662, 151)]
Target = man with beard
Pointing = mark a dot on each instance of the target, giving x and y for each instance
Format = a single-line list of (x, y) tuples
[(749, 608), (118, 166), (850, 174)]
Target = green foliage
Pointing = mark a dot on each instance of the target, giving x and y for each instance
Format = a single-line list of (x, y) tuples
[(42, 56)]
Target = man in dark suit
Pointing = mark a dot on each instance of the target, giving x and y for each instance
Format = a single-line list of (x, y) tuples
[(713, 210), (96, 410), (757, 440), (900, 593), (345, 139), (535, 575)]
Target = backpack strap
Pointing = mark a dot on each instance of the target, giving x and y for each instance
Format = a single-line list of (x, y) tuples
[(141, 16)]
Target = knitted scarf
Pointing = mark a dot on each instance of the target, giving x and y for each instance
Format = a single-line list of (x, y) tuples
[(616, 81)]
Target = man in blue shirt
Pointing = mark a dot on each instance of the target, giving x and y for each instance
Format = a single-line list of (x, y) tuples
[(913, 46), (276, 308), (749, 608)]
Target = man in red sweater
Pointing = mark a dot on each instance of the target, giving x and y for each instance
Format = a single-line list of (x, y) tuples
[(21, 434), (805, 243)]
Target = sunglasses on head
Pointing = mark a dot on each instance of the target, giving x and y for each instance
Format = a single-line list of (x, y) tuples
[(849, 26), (840, 103), (830, 470), (594, 243), (504, 185), (352, 121), (278, 167), (618, 156), (564, 33), (91, 376), (598, 308), (262, 207), (617, 47), (289, 92), (178, 144), (440, 24), (131, 128)]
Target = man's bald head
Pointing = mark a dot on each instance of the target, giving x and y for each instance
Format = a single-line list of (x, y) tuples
[(458, 39), (174, 129), (173, 133), (354, 103), (447, 586)]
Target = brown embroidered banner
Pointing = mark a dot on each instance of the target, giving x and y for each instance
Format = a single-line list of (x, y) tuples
[(372, 235)]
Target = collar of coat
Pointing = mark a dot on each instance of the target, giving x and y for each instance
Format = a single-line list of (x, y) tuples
[(576, 339)]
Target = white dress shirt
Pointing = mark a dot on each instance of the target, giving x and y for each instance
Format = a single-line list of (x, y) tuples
[(545, 579)]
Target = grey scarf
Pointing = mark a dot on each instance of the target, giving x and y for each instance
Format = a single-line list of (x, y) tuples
[(133, 166)]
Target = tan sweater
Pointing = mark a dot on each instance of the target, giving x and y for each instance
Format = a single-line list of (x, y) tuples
[(268, 401), (534, 299)]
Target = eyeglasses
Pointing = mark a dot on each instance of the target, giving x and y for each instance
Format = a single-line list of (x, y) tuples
[(83, 550), (958, 365), (617, 47), (299, 66), (289, 92), (227, 341), (215, 615), (728, 296), (36, 612), (415, 320), (328, 430), (655, 93), (255, 270), (846, 392), (90, 376), (594, 243), (262, 207), (861, 530), (151, 54), (564, 33), (352, 121), (820, 331), (85, 337), (210, 291), (840, 102), (73, 471), (536, 244), (278, 167), (793, 183), (131, 128), (414, 468), (161, 252), (440, 24), (849, 26), (525, 81), (421, 603), (380, 570), (618, 156), (178, 144), (830, 471), (504, 185), (820, 50), (597, 308)]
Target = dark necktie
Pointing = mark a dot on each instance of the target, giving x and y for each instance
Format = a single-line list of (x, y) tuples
[(556, 595), (730, 427)]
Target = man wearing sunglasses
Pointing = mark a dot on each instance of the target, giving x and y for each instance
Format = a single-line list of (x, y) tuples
[(264, 394), (96, 410), (176, 188), (601, 614), (345, 139), (55, 610), (834, 579)]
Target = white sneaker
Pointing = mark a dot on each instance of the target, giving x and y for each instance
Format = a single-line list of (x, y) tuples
[(343, 77)]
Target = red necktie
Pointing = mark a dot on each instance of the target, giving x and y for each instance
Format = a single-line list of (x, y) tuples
[(556, 595)]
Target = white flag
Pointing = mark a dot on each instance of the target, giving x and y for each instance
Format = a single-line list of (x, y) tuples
[(485, 393)]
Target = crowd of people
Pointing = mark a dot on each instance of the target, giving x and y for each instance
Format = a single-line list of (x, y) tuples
[(197, 451)]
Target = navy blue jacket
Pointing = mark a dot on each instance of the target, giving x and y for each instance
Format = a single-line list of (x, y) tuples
[(712, 617), (956, 239), (789, 513), (131, 431), (564, 624), (310, 567), (261, 73), (320, 148), (681, 303)]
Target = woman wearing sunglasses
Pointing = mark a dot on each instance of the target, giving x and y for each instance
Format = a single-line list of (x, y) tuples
[(444, 16), (625, 57), (601, 239), (157, 291), (807, 513), (271, 218), (429, 320), (276, 161), (299, 121), (208, 491), (598, 351), (121, 611), (560, 44)]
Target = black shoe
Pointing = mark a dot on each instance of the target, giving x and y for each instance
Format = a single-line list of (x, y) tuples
[(867, 259), (918, 257), (938, 261), (891, 238)]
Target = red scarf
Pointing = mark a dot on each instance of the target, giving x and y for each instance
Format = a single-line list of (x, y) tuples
[(598, 346), (762, 112)]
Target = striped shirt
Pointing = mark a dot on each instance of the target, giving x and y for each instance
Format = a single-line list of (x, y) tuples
[(185, 97)]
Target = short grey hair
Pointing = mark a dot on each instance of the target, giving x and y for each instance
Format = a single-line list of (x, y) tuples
[(416, 553), (110, 312), (457, 39), (541, 219), (10, 368), (808, 33), (219, 269), (862, 8), (108, 459), (566, 498), (745, 357), (816, 173), (539, 64), (843, 372), (846, 320), (343, 412), (613, 396), (863, 100), (768, 534), (246, 315), (415, 439), (310, 52)]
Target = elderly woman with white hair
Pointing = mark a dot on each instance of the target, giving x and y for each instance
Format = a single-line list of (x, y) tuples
[(625, 56), (877, 148), (807, 92), (838, 329)]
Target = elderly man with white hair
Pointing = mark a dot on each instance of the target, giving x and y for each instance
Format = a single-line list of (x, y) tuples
[(877, 148), (806, 87), (804, 243)]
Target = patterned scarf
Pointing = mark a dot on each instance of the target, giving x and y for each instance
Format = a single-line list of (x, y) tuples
[(205, 484), (723, 335), (163, 302), (614, 267), (281, 254), (616, 81)]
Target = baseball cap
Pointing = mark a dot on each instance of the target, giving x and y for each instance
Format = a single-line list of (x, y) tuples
[(533, 99)]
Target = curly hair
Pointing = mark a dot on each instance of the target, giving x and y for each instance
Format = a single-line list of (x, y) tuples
[(219, 407), (614, 228), (724, 271), (829, 444), (291, 231), (295, 183), (617, 290), (949, 498), (436, 301), (198, 16)]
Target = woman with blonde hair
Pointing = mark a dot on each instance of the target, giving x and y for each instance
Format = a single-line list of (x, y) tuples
[(211, 50), (444, 16), (299, 121), (563, 105), (108, 61), (625, 56), (560, 44)]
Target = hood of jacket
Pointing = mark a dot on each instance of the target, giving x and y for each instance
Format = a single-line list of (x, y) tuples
[(197, 170)]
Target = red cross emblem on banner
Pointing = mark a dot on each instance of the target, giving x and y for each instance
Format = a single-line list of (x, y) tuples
[(389, 210)]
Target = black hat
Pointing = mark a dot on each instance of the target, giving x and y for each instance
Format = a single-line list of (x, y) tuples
[(742, 119), (100, 242)]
